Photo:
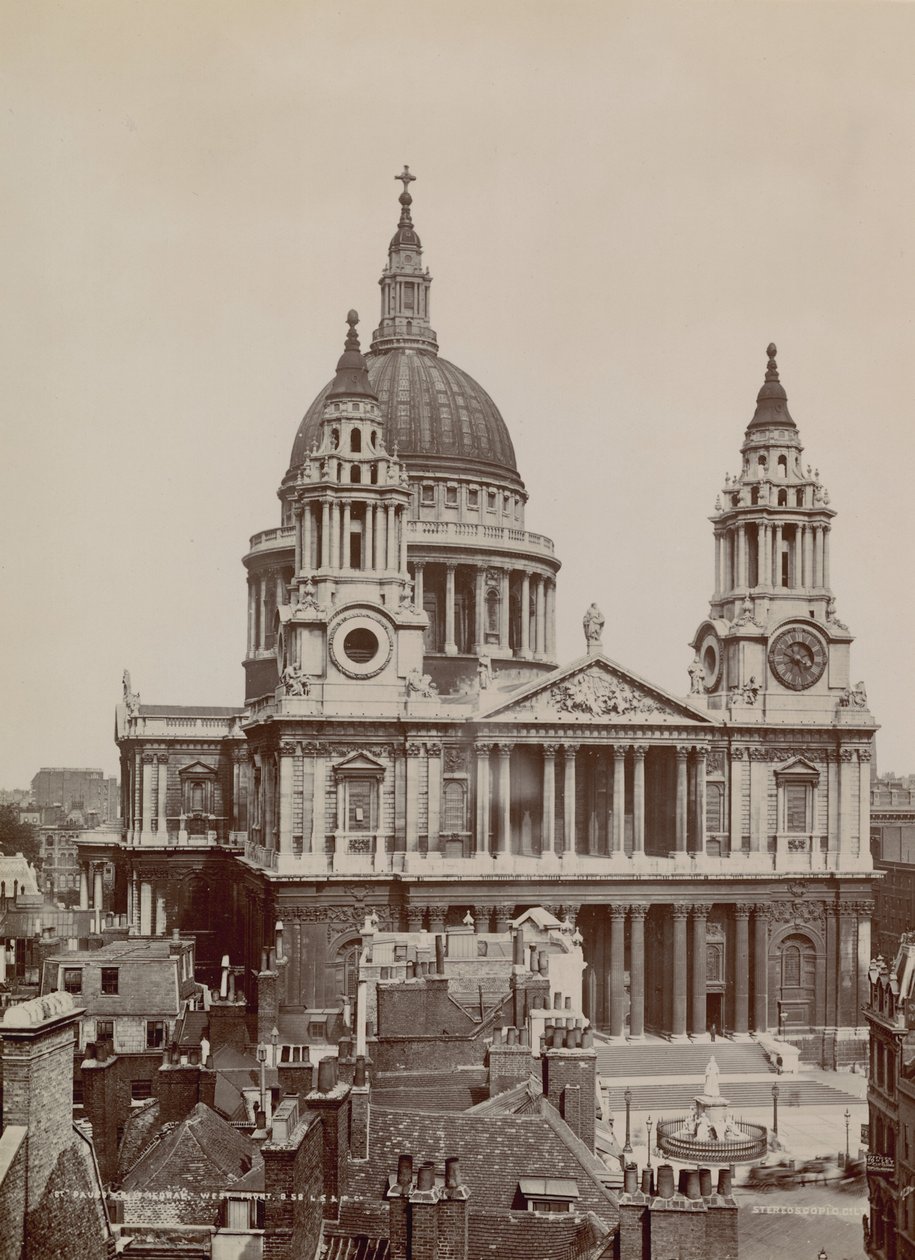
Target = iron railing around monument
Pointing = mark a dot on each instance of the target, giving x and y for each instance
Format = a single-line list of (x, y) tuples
[(692, 1150)]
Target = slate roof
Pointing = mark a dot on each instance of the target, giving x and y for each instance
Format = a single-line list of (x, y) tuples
[(455, 1090), (179, 1178), (140, 1129)]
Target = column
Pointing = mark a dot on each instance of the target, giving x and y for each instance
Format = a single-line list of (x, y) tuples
[(161, 925), (414, 751), (550, 625), (147, 802), (97, 887), (262, 613), (735, 802), (505, 611), (847, 1015), (718, 572), (742, 967), (760, 967), (483, 799), (504, 827), (678, 970), (617, 967), (146, 908), (479, 612), (344, 542), (765, 555), (297, 529), (810, 579), (845, 821), (638, 798), (391, 538), (777, 568), (252, 616), (525, 614), (450, 645), (318, 822), (681, 818), (568, 802), (324, 558), (307, 556), (742, 556), (83, 887), (701, 757), (162, 797), (287, 752), (698, 1016), (637, 970), (619, 799), (335, 535), (402, 539), (418, 586), (540, 618), (865, 910), (548, 823), (434, 779)]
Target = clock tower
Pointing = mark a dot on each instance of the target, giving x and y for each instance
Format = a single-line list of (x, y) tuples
[(772, 647)]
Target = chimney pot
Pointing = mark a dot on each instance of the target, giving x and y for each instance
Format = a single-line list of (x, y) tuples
[(647, 1187), (260, 1119), (665, 1181), (405, 1170), (587, 1038), (518, 949), (101, 1052), (557, 1001), (439, 955), (568, 1003), (359, 1077), (532, 963), (452, 1173), (425, 1179), (705, 1182), (630, 1179), (265, 959), (524, 1037), (543, 962), (693, 1184), (512, 1037), (681, 1181), (176, 935), (411, 969), (91, 1050), (346, 1047), (557, 1038), (327, 1074), (724, 1181)]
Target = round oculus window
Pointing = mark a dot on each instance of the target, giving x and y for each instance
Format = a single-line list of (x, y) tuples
[(360, 645)]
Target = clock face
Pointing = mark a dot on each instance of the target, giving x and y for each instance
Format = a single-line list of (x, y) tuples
[(710, 656), (797, 658)]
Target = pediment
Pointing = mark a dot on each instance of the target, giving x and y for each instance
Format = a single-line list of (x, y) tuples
[(798, 768), (197, 768), (359, 763), (595, 689)]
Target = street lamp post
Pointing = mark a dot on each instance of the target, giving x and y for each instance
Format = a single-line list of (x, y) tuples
[(274, 1040), (262, 1060), (775, 1110), (648, 1127), (847, 1123), (627, 1097)]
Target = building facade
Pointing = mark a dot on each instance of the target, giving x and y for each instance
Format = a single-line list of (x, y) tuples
[(409, 746)]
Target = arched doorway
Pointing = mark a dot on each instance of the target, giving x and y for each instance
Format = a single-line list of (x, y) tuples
[(795, 988)]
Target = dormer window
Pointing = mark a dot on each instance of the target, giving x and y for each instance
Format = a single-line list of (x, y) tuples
[(547, 1194), (428, 496)]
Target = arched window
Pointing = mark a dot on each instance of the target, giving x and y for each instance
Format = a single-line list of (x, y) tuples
[(355, 441), (714, 800), (761, 465), (335, 439), (455, 811), (783, 498), (355, 473), (492, 611), (374, 474), (781, 466), (799, 498), (754, 494), (791, 966)]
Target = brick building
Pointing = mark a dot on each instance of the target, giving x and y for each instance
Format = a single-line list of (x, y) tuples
[(893, 850)]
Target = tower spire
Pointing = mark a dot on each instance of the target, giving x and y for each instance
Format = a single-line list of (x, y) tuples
[(405, 286)]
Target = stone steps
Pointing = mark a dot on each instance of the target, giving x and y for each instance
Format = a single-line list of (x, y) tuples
[(677, 1098), (662, 1058)]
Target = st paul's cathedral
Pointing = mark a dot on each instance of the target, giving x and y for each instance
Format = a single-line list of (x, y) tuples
[(410, 748)]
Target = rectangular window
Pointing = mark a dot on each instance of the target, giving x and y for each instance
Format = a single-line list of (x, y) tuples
[(104, 1030), (451, 496), (140, 1090), (796, 807), (473, 498), (428, 495), (155, 1034), (109, 979), (73, 979), (491, 500), (359, 800)]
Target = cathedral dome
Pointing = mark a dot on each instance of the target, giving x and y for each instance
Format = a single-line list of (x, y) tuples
[(437, 415)]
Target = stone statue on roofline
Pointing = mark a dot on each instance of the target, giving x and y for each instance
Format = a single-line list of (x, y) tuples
[(593, 624)]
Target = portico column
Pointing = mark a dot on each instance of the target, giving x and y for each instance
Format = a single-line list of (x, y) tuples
[(681, 817), (539, 617), (335, 535), (678, 969), (98, 888), (777, 557), (617, 966), (83, 887), (306, 559), (162, 797), (418, 588), (568, 799), (638, 798), (619, 799), (735, 826), (760, 967), (297, 530), (434, 780), (741, 556), (505, 610), (414, 752), (504, 832), (637, 970), (697, 1019), (548, 824), (701, 756), (525, 614), (550, 622), (742, 967), (765, 559), (450, 645), (147, 803), (146, 908), (479, 611), (483, 806), (318, 823), (402, 539)]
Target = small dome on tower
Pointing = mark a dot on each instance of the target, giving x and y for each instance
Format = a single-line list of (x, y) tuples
[(352, 379), (772, 401)]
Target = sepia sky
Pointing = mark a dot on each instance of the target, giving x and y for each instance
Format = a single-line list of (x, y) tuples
[(621, 205)]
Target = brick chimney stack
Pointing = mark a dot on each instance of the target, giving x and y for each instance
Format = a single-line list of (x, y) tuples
[(570, 1080), (331, 1100), (692, 1220), (428, 1214)]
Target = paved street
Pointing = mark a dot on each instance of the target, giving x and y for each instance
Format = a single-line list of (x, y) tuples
[(800, 1223)]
